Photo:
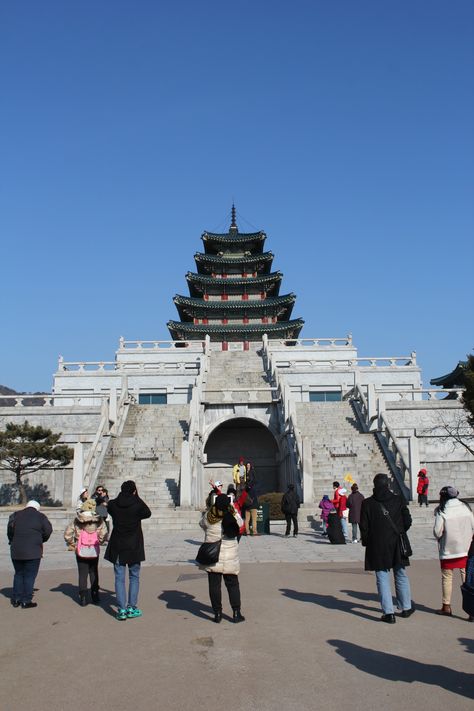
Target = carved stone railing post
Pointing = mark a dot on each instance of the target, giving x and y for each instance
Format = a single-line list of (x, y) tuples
[(307, 457), (185, 475), (77, 472), (413, 464)]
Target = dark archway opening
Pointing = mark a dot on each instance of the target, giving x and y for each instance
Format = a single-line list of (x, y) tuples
[(243, 437)]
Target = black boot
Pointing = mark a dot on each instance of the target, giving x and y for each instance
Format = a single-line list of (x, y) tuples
[(237, 615), (95, 596), (218, 616), (82, 599)]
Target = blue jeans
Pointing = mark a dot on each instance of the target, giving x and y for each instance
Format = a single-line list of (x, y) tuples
[(402, 589), (24, 578), (133, 584), (354, 532), (345, 528)]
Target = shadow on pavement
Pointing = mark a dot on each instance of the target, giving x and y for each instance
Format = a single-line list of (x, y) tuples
[(192, 542), (391, 667), (358, 595), (179, 600), (468, 643), (332, 603), (107, 597)]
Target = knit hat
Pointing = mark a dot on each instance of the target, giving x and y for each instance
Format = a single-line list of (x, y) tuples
[(222, 502), (422, 472), (83, 490), (33, 505), (128, 487), (449, 492), (218, 484)]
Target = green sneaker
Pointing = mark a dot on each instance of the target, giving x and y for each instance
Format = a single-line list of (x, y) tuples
[(133, 612), (121, 614)]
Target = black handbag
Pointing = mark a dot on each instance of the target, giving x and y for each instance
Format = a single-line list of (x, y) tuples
[(208, 553), (403, 541)]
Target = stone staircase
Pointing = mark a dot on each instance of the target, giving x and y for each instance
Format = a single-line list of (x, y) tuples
[(236, 370), (339, 447), (149, 452)]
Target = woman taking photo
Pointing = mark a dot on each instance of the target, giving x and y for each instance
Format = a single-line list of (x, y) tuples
[(454, 528), (220, 524)]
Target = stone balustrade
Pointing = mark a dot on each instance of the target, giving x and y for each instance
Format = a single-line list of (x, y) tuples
[(197, 346), (50, 399), (316, 364), (310, 342), (100, 367), (418, 394)]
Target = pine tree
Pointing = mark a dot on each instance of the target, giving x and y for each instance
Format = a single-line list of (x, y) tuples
[(26, 448)]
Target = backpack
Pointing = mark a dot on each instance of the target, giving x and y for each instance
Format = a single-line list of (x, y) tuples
[(88, 544)]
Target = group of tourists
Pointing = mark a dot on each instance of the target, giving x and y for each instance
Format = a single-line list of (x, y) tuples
[(339, 511), (381, 520)]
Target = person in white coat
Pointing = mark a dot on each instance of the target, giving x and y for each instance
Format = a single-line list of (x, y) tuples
[(453, 528), (219, 523)]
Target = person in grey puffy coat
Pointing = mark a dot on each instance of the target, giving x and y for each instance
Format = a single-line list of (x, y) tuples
[(219, 523)]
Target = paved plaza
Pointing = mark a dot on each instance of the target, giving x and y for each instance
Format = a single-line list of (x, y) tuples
[(312, 635)]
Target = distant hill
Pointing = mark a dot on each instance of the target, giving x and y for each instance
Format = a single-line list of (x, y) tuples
[(7, 391), (4, 390)]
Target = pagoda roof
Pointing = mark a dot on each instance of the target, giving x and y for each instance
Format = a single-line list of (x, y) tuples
[(189, 308), (203, 283), (230, 261), (235, 332), (454, 379), (232, 240)]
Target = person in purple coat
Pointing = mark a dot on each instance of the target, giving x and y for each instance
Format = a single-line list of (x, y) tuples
[(326, 506), (354, 504)]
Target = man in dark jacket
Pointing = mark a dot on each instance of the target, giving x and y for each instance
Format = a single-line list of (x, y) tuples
[(383, 516), (290, 504), (126, 546), (27, 530)]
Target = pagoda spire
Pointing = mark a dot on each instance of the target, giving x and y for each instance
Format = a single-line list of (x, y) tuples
[(233, 224)]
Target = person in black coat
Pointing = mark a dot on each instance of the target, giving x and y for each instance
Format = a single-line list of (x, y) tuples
[(27, 530), (383, 517), (290, 504), (126, 546)]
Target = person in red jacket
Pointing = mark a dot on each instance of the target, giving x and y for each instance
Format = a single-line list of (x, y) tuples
[(340, 504), (422, 488)]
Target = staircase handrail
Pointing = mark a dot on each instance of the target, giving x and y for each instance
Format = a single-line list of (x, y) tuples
[(388, 441), (195, 416), (104, 434), (102, 431), (289, 413)]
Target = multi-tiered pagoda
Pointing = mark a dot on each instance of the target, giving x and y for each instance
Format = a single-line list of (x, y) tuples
[(234, 295)]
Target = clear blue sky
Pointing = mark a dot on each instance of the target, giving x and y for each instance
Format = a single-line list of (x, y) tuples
[(344, 129)]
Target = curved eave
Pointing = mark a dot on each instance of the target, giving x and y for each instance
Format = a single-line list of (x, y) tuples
[(202, 284), (189, 308), (252, 242), (250, 332), (251, 263), (454, 379)]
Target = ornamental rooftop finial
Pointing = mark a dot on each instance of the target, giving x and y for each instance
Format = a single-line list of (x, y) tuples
[(233, 224)]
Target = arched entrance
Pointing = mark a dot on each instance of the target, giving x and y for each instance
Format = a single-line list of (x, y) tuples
[(243, 437)]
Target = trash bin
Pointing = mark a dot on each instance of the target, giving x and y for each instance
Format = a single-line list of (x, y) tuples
[(263, 518)]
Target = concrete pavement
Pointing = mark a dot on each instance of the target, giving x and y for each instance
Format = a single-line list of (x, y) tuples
[(312, 637)]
